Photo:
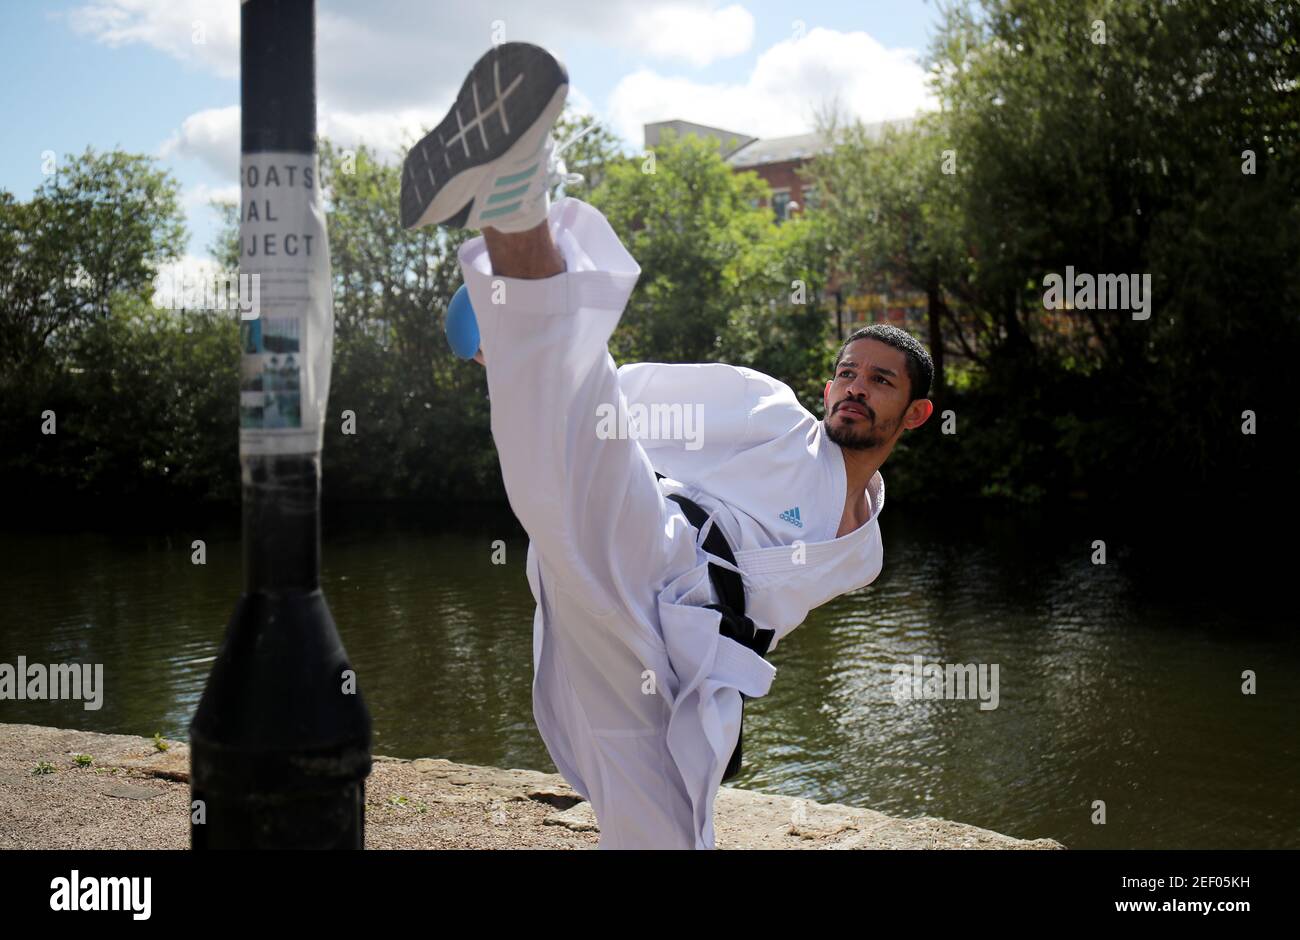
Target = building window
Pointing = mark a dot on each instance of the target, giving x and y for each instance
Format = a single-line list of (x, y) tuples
[(781, 204), (810, 197)]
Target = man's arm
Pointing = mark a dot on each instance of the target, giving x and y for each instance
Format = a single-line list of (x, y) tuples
[(712, 405), (706, 404), (721, 410)]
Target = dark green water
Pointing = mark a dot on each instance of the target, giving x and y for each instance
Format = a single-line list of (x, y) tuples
[(1119, 683)]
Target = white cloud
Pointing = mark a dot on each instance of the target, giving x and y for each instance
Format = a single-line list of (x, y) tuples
[(790, 82), (579, 103), (211, 136), (387, 133), (692, 33), (190, 282), (402, 53), (201, 194), (204, 33), (387, 69)]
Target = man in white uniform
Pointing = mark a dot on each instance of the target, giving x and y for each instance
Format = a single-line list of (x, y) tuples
[(638, 684)]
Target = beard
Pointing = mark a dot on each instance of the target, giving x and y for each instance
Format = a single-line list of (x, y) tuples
[(862, 434)]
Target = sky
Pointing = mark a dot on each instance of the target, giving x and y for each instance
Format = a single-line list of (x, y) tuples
[(161, 77)]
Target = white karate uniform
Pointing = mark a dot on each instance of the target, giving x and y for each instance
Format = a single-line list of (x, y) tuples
[(635, 692)]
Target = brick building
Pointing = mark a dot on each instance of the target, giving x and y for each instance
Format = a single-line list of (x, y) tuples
[(777, 161)]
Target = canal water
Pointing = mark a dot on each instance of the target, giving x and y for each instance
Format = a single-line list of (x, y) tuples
[(1119, 684)]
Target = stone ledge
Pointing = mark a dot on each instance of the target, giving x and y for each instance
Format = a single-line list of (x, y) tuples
[(134, 797)]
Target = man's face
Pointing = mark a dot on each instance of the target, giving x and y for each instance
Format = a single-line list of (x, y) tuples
[(866, 401)]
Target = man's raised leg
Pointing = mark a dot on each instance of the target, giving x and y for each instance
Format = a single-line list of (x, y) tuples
[(528, 255), (548, 285), (590, 504)]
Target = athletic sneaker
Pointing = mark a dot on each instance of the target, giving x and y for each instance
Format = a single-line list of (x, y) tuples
[(492, 160)]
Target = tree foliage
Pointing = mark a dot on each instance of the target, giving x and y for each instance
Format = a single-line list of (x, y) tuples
[(719, 280), (1117, 138), (1171, 148)]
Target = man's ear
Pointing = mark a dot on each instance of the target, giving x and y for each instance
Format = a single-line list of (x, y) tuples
[(918, 413), (826, 396)]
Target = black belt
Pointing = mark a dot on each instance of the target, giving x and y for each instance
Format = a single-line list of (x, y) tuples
[(731, 591)]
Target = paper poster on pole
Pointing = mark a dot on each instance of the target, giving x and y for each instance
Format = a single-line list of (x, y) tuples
[(287, 340)]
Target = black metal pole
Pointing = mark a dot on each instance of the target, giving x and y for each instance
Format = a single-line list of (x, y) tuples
[(280, 743)]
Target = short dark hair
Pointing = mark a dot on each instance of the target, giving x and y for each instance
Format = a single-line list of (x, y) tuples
[(920, 367)]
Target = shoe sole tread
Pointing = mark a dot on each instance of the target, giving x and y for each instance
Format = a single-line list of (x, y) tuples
[(443, 161)]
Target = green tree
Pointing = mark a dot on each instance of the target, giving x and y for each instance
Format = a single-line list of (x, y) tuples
[(421, 413), (888, 214), (780, 324), (78, 338), (155, 402), (1115, 152), (593, 148), (101, 224), (693, 226)]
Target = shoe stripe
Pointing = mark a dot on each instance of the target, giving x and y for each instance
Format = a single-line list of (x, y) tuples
[(508, 194), (518, 177), (478, 114), (504, 210), (499, 105), (496, 81), (464, 141)]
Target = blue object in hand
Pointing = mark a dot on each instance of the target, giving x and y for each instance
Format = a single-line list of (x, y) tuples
[(462, 325)]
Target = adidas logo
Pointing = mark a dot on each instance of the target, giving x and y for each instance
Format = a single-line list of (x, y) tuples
[(792, 516)]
